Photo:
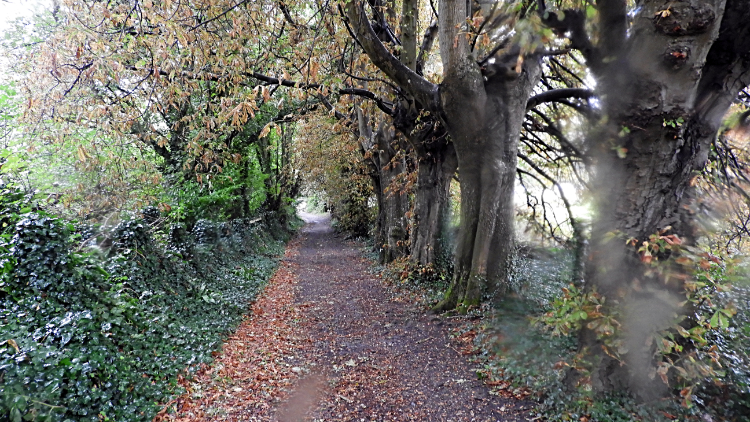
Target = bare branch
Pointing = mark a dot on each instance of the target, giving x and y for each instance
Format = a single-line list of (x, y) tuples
[(573, 26), (207, 21), (558, 94), (421, 89), (577, 230), (287, 15)]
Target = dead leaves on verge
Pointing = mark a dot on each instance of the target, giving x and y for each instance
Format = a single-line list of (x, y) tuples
[(254, 371)]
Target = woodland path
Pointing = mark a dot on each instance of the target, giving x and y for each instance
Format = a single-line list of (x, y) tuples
[(326, 341)]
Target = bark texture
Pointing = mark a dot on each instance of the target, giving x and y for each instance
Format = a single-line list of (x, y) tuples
[(665, 86), (431, 212), (380, 144), (436, 166), (483, 114), (392, 198)]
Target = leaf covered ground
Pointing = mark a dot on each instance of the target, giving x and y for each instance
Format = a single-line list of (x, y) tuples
[(326, 341)]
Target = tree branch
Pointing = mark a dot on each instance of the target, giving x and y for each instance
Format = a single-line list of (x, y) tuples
[(383, 105), (207, 21), (573, 26), (418, 87), (558, 94), (427, 41), (287, 15), (727, 67), (577, 231)]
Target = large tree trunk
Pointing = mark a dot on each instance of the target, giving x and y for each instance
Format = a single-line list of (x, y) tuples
[(436, 158), (654, 88), (394, 202), (486, 150), (436, 166), (649, 191), (483, 115), (387, 165), (431, 212)]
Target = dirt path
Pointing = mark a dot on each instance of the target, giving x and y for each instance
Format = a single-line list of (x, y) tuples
[(326, 340)]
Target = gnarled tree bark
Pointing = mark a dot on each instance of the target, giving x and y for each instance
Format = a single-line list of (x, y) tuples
[(381, 146), (665, 84)]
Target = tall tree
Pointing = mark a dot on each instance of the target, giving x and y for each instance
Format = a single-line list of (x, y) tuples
[(666, 74), (480, 101), (184, 79)]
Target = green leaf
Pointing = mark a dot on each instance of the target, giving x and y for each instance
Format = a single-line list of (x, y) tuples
[(15, 415), (723, 321), (714, 321)]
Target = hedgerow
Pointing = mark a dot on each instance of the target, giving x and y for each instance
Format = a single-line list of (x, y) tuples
[(98, 325)]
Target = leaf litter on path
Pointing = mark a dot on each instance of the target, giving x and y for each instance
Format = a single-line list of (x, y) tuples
[(325, 341)]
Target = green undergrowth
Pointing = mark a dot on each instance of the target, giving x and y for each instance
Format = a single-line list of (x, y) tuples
[(96, 326), (522, 358), (527, 359), (531, 364)]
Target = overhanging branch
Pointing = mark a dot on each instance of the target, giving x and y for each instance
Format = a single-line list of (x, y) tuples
[(418, 87), (558, 94), (383, 105)]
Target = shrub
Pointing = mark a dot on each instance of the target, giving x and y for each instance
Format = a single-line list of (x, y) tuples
[(103, 336), (695, 355)]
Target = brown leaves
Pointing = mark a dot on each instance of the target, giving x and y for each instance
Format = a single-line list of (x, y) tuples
[(250, 373), (266, 129)]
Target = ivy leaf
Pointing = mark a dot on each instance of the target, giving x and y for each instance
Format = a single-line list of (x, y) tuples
[(714, 321), (15, 415)]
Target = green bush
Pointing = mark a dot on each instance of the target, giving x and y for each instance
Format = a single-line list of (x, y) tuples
[(237, 192), (729, 399), (90, 335), (704, 356)]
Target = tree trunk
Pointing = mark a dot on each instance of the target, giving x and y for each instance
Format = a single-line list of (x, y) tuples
[(649, 191), (431, 211), (663, 115), (486, 148), (436, 166), (483, 114), (386, 165), (394, 203), (436, 157)]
